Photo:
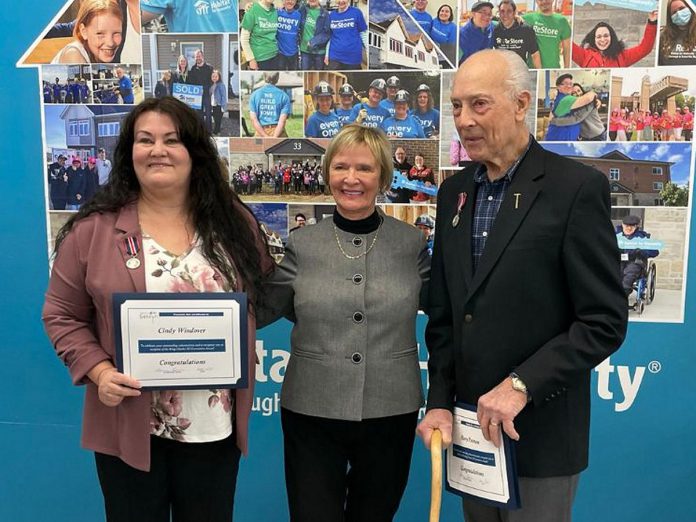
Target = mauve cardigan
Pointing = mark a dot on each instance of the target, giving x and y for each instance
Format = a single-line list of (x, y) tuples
[(77, 314)]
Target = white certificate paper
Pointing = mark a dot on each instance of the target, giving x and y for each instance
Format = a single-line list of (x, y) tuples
[(475, 467), (182, 341)]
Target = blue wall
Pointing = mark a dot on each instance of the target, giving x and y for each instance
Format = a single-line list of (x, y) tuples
[(642, 461)]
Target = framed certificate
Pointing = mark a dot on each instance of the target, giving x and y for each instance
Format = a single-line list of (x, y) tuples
[(476, 468), (182, 340)]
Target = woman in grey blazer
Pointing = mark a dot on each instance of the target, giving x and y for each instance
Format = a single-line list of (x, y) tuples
[(352, 389)]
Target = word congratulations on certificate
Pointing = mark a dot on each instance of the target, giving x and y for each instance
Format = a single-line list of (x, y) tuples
[(476, 468), (182, 341)]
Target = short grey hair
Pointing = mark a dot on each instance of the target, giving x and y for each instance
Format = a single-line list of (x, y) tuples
[(519, 78)]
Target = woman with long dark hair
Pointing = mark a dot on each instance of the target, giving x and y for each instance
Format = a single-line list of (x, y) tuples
[(678, 36), (166, 221), (601, 47)]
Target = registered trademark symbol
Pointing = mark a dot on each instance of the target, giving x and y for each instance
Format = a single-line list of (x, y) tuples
[(654, 366)]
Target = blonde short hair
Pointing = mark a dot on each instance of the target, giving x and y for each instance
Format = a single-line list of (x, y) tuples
[(376, 140)]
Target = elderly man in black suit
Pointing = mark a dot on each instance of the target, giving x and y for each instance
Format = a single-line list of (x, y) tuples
[(525, 295)]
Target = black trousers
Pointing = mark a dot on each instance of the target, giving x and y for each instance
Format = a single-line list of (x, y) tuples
[(217, 118), (194, 481), (346, 471)]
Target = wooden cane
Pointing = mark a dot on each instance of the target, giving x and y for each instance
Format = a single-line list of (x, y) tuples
[(436, 475)]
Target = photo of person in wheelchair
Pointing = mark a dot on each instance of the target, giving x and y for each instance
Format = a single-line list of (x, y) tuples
[(637, 268)]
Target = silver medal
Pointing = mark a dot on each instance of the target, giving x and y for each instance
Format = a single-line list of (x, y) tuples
[(133, 263)]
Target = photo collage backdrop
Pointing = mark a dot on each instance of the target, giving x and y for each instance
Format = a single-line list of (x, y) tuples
[(608, 76)]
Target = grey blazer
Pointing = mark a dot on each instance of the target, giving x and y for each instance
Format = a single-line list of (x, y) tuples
[(353, 345)]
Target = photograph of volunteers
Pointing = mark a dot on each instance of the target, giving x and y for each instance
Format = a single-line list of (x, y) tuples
[(347, 98), (677, 34), (375, 100), (117, 84), (550, 21), (351, 392), (72, 182), (652, 244), (572, 105), (438, 20), (92, 31), (476, 28), (513, 34), (272, 104), (186, 16), (66, 84), (347, 47), (258, 36), (416, 168), (80, 141), (412, 34), (323, 122), (668, 114), (279, 169), (606, 35)]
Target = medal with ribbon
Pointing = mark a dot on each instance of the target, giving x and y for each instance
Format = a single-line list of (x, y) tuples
[(461, 201), (132, 249)]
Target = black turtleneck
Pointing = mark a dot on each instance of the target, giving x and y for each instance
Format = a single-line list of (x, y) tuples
[(357, 226)]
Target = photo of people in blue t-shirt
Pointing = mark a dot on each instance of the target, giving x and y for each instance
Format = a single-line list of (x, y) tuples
[(413, 34)]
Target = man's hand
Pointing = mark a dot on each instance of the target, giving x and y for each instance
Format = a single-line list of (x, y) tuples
[(498, 407), (437, 418)]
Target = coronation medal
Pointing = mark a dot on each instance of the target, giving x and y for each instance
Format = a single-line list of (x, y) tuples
[(132, 249), (461, 200)]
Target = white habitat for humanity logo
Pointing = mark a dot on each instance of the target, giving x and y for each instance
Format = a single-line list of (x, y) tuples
[(202, 7)]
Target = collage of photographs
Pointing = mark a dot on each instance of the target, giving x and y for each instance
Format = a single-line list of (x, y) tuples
[(274, 81)]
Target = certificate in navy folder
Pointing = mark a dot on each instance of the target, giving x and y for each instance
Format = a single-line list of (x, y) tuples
[(182, 340), (475, 468)]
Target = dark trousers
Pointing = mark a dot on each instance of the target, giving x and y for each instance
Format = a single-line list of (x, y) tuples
[(206, 112), (268, 65), (287, 63), (217, 119), (340, 66), (543, 500), (196, 481), (59, 203), (631, 272), (311, 62), (346, 471)]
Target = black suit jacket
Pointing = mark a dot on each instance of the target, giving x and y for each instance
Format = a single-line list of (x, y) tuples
[(545, 301)]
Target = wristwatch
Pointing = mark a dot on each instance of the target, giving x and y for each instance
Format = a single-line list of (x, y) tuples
[(519, 385)]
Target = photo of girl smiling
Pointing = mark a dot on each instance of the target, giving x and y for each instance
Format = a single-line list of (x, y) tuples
[(97, 33)]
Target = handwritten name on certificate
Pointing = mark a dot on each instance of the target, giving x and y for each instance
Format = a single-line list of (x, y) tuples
[(475, 467), (182, 340)]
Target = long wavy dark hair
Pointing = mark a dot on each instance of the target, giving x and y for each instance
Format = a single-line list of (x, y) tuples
[(616, 46), (227, 228)]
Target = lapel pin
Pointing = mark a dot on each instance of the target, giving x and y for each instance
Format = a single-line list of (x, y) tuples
[(517, 199)]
